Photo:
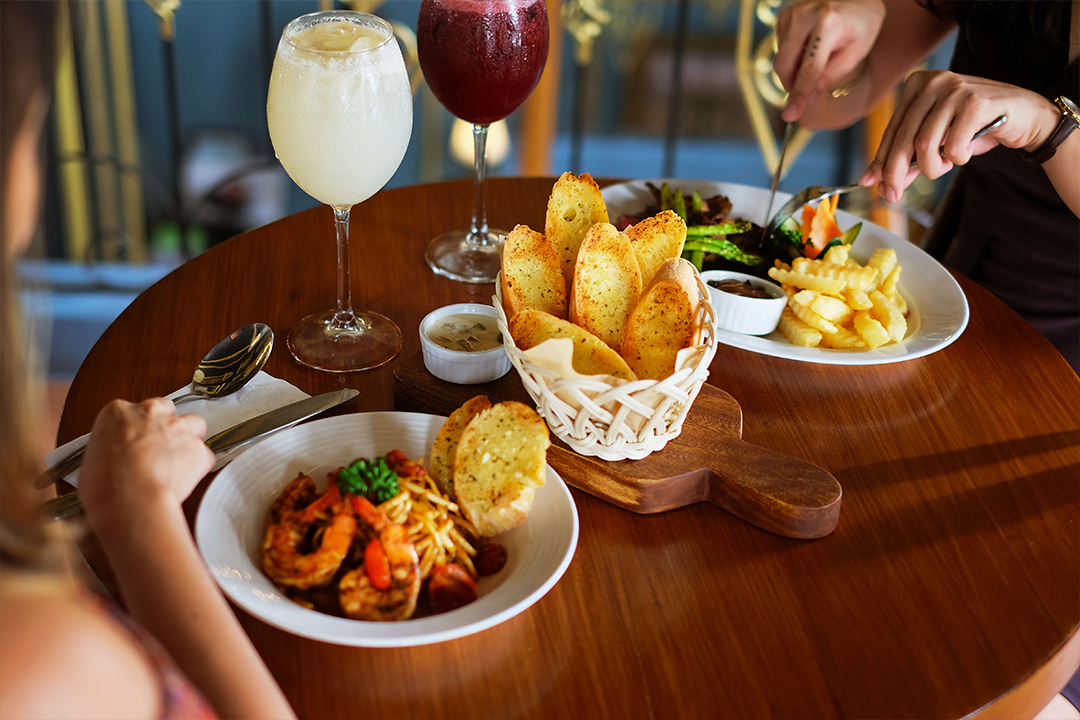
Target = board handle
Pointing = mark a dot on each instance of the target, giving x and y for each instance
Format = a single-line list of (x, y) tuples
[(776, 492)]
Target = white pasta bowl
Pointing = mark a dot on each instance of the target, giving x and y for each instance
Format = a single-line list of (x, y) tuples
[(742, 314), (458, 366), (231, 525)]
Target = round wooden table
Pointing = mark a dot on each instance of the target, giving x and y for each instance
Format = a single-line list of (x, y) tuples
[(949, 587)]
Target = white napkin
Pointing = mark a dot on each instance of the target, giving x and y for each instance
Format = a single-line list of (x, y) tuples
[(262, 394)]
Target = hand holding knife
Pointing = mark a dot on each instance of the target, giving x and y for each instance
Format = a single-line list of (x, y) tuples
[(67, 505)]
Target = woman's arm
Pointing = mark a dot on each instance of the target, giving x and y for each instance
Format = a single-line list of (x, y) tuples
[(828, 44), (141, 462)]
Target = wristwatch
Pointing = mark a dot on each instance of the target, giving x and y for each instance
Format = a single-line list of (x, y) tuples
[(1070, 120)]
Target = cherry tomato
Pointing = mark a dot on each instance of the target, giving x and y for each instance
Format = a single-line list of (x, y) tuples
[(490, 559), (450, 587), (376, 564)]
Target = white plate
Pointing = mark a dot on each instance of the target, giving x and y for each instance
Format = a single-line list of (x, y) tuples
[(232, 519), (937, 307)]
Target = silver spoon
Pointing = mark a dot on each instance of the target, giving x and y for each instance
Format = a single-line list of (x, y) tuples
[(231, 364), (228, 367)]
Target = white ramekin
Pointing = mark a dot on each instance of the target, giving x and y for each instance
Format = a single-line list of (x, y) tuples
[(741, 314), (456, 366)]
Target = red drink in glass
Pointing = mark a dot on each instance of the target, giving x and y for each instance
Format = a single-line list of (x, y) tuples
[(482, 58)]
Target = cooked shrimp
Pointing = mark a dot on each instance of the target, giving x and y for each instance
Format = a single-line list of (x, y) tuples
[(385, 587), (298, 514), (403, 466)]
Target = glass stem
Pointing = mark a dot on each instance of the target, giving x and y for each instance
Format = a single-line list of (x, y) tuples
[(478, 232), (343, 318)]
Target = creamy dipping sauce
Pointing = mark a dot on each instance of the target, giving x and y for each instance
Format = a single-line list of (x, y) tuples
[(466, 332)]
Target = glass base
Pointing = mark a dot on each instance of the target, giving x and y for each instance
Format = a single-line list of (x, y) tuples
[(367, 341), (453, 256)]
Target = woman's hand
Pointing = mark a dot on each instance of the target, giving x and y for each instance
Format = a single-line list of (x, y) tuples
[(936, 117), (139, 455), (822, 45)]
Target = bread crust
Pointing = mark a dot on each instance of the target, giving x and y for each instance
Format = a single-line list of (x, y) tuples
[(444, 450), (607, 284), (656, 239), (663, 322), (532, 277), (574, 205), (592, 356), (500, 461)]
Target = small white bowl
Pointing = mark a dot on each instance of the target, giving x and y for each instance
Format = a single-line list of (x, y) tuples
[(459, 366), (741, 314)]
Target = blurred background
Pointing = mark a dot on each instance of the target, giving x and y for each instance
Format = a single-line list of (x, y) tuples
[(158, 146)]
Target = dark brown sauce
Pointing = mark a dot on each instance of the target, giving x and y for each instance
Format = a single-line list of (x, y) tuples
[(740, 287)]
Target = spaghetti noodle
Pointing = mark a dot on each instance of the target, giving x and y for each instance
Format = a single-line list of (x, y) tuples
[(435, 524)]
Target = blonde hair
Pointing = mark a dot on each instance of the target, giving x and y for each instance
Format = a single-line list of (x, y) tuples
[(28, 46)]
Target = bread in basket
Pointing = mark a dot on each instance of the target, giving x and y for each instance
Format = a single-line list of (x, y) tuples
[(616, 420)]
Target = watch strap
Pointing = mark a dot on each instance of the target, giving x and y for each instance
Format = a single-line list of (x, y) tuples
[(1064, 129)]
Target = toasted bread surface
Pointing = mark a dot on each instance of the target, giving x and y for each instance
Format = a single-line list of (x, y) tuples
[(656, 239), (499, 463), (532, 276), (592, 356), (607, 284), (574, 205), (663, 322), (443, 451)]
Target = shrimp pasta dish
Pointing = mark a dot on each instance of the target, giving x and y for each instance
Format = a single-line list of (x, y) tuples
[(380, 543)]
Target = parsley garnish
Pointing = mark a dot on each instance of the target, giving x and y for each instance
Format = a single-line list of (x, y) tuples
[(372, 479)]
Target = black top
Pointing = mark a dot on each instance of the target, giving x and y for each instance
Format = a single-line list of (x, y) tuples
[(1014, 234)]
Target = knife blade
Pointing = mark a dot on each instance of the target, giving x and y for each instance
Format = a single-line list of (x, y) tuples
[(275, 419), (66, 505), (776, 180)]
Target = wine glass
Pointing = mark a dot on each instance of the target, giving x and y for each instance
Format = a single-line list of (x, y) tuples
[(339, 109), (481, 59)]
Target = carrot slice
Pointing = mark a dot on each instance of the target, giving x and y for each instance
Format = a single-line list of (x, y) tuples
[(377, 565), (823, 227), (808, 213)]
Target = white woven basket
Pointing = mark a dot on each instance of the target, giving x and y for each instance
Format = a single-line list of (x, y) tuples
[(602, 424)]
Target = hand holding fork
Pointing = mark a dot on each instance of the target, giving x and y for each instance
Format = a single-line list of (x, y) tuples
[(816, 193)]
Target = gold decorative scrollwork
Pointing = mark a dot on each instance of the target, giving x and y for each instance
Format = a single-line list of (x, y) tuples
[(166, 12), (633, 29), (766, 11), (585, 20), (759, 84), (765, 78)]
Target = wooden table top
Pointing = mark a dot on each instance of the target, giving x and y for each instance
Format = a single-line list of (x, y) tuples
[(950, 585)]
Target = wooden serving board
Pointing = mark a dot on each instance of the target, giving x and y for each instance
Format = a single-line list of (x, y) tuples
[(708, 461)]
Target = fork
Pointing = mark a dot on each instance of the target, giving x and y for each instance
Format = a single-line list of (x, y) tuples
[(815, 193)]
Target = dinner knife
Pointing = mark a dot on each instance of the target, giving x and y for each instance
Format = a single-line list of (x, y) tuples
[(67, 505), (776, 179)]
